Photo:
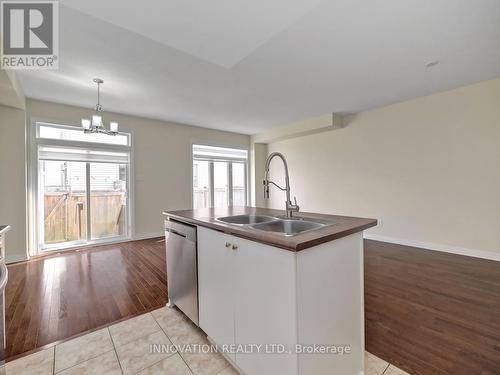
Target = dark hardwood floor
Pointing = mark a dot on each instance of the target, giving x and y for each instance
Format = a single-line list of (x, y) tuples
[(55, 297), (426, 312), (429, 312)]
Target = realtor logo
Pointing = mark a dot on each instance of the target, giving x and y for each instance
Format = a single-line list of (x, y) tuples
[(30, 34)]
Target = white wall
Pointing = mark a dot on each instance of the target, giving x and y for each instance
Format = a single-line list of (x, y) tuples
[(13, 181), (258, 163), (162, 164), (428, 169)]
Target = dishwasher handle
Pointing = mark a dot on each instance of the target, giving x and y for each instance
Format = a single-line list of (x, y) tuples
[(171, 230), (186, 231)]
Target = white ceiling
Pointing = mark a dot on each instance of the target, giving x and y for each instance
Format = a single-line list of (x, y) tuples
[(251, 66), (219, 31)]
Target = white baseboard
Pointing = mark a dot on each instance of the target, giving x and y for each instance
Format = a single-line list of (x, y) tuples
[(15, 258), (148, 235), (483, 254)]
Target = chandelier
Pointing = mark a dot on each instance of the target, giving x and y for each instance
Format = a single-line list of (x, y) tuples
[(96, 124)]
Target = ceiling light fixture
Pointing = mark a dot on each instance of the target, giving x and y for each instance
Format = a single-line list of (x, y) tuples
[(96, 125)]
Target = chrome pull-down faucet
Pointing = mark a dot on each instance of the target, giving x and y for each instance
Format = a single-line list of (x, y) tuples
[(289, 206)]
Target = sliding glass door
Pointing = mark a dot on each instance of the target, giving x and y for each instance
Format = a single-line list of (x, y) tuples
[(81, 202), (63, 201), (108, 200), (82, 193)]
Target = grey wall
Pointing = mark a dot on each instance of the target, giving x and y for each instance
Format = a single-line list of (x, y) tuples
[(13, 180), (162, 164), (428, 169)]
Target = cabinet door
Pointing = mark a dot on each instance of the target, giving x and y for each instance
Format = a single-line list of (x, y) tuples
[(216, 285), (265, 307)]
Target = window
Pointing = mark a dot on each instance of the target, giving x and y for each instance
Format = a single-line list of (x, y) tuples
[(81, 185), (239, 184), (219, 176), (72, 133)]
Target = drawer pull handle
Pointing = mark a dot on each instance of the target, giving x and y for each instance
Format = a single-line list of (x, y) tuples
[(235, 247), (228, 244)]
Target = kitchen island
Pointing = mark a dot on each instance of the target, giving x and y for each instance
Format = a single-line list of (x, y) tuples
[(276, 303)]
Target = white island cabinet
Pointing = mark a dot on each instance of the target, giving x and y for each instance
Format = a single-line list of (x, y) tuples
[(267, 300)]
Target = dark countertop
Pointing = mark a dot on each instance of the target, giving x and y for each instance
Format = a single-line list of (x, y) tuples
[(344, 226), (4, 229)]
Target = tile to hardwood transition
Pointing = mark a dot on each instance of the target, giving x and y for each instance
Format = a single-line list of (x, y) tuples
[(173, 365), (81, 349), (105, 364), (136, 355), (132, 329), (374, 365), (39, 363), (93, 353), (102, 284), (122, 280)]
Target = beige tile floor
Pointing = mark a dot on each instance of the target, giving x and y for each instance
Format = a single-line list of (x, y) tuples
[(124, 349)]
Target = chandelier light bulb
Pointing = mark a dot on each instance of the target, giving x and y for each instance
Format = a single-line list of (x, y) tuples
[(85, 123), (113, 127), (96, 120)]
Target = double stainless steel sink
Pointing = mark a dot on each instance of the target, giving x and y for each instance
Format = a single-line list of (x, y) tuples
[(277, 224)]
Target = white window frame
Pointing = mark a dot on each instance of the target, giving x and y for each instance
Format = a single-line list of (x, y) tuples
[(229, 172), (34, 230)]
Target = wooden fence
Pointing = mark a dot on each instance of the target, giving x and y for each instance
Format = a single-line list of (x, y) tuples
[(65, 216), (201, 197)]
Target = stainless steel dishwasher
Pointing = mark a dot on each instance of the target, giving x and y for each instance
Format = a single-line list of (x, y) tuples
[(182, 268)]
